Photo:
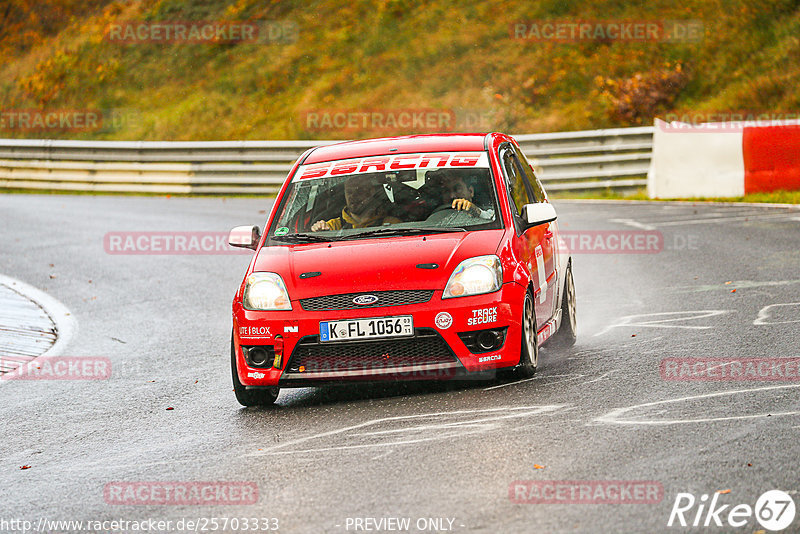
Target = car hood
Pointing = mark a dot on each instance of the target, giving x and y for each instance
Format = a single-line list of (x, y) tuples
[(380, 264)]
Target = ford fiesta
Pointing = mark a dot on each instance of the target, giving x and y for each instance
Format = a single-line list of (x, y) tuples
[(419, 257)]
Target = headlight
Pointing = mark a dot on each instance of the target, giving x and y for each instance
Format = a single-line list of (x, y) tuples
[(475, 276), (266, 291)]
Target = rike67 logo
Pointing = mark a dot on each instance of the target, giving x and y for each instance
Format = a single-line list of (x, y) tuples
[(774, 510)]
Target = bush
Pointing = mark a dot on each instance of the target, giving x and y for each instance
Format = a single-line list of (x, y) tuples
[(636, 100)]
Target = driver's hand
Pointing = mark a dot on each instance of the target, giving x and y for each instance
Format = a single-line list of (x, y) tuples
[(462, 204), (320, 225)]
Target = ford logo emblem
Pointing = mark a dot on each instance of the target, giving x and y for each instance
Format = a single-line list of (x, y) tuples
[(363, 300)]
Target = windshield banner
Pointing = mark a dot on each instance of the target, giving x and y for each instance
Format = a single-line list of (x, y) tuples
[(398, 162)]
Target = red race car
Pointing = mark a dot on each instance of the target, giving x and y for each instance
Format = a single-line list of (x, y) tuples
[(418, 257)]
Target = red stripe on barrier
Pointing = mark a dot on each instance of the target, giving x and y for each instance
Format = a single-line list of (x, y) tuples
[(771, 158)]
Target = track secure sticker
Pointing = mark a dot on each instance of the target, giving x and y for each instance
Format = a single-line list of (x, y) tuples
[(443, 320), (483, 316)]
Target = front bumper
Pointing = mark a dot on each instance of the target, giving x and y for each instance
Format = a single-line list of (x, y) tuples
[(443, 345)]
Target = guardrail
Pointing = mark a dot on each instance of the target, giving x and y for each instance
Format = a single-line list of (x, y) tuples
[(590, 159), (585, 160)]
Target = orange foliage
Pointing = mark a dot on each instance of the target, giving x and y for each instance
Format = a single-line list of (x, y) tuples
[(636, 100), (27, 23)]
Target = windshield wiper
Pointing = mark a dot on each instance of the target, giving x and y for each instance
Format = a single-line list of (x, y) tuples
[(303, 238), (406, 231)]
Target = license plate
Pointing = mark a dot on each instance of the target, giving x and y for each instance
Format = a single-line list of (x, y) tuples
[(375, 327)]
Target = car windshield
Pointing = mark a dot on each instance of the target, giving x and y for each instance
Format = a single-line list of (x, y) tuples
[(384, 196)]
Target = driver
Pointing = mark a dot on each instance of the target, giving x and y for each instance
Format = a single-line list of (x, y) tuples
[(457, 195), (364, 206)]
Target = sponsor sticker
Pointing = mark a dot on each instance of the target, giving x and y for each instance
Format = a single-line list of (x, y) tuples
[(443, 320), (546, 332), (255, 331), (539, 253)]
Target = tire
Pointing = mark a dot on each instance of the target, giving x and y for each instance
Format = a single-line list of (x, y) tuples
[(529, 351), (568, 331), (250, 397)]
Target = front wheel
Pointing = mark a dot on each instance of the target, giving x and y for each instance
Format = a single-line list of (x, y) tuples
[(568, 332), (529, 353), (250, 397)]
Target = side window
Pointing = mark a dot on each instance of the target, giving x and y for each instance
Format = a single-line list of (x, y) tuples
[(536, 186), (515, 179)]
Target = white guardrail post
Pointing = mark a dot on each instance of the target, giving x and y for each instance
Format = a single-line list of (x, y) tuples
[(584, 160)]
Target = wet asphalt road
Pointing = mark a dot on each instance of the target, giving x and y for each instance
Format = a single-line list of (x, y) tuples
[(324, 457)]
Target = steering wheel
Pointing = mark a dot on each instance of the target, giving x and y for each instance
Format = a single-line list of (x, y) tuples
[(447, 216)]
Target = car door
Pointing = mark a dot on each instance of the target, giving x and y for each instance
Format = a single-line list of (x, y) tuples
[(550, 248), (534, 246), (549, 244)]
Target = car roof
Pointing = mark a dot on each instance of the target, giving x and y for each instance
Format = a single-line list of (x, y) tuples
[(408, 144)]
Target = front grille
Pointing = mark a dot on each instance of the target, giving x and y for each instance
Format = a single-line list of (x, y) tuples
[(426, 347), (385, 298)]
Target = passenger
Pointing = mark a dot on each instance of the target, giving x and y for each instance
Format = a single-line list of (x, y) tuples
[(365, 206)]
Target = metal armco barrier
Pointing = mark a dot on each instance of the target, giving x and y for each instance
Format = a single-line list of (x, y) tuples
[(585, 160)]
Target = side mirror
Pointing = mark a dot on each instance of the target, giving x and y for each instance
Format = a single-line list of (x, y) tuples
[(538, 213), (245, 237)]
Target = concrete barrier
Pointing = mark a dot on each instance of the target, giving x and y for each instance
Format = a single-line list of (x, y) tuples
[(695, 162), (723, 159), (771, 158)]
